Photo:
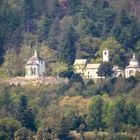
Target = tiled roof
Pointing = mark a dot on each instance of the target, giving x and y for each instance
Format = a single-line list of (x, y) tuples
[(34, 58)]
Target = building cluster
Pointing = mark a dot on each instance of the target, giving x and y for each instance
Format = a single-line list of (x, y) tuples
[(35, 67), (90, 70)]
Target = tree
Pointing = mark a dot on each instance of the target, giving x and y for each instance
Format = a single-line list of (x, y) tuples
[(76, 78), (124, 18), (25, 114), (116, 116), (74, 5), (88, 47), (132, 115), (58, 68), (68, 51), (8, 126), (11, 65), (22, 134), (115, 48), (29, 14), (105, 69), (62, 129), (96, 114), (45, 25), (7, 103), (138, 48)]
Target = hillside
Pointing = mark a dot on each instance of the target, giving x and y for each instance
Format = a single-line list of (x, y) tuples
[(106, 109), (64, 30), (132, 6), (51, 108)]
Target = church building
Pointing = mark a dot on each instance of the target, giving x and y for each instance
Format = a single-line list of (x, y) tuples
[(35, 66), (132, 68), (90, 70)]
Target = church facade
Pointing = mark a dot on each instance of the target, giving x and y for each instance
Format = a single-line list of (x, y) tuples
[(35, 66)]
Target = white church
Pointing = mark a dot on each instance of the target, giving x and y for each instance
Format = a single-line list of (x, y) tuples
[(90, 70), (132, 68), (35, 66)]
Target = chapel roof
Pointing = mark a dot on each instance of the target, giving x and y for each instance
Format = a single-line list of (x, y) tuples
[(32, 63), (35, 57)]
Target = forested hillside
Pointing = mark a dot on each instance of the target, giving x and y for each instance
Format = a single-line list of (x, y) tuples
[(132, 6), (68, 29), (62, 30)]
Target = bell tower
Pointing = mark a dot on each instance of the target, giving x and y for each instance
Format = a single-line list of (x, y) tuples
[(106, 55)]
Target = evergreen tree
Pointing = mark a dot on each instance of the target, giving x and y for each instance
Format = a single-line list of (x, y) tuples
[(25, 115), (116, 116), (74, 6), (68, 49), (105, 69), (132, 115), (7, 102), (29, 14), (62, 129), (96, 114)]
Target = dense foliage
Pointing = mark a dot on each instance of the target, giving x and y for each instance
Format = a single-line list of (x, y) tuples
[(56, 111)]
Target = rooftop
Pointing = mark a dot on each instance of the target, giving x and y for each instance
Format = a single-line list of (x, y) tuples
[(93, 66), (80, 61), (35, 57)]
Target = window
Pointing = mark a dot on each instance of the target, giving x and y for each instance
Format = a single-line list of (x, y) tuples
[(131, 73)]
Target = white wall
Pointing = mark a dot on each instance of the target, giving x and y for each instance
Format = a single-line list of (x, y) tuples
[(41, 67), (106, 55)]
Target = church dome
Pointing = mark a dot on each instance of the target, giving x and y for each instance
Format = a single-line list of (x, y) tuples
[(134, 61)]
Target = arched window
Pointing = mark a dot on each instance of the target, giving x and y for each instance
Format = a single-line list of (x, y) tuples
[(131, 73)]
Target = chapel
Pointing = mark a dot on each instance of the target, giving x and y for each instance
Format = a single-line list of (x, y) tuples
[(133, 67), (35, 66)]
